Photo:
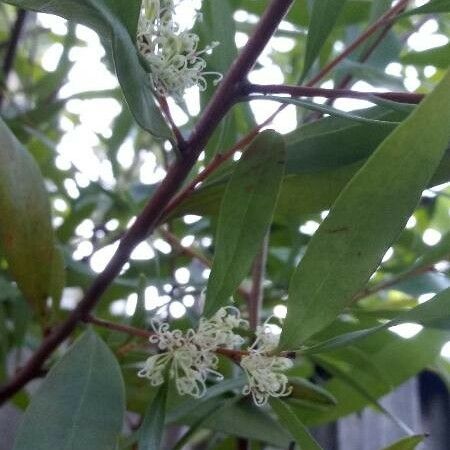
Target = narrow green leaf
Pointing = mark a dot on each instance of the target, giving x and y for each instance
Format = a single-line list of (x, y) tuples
[(242, 419), (433, 255), (115, 33), (366, 218), (436, 56), (292, 423), (243, 224), (152, 428), (305, 390), (80, 404), (183, 409), (305, 193), (408, 443), (376, 76), (433, 6), (217, 25), (324, 16), (335, 141), (434, 313), (213, 408), (26, 233), (321, 108)]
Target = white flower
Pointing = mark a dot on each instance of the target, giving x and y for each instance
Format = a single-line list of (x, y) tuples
[(218, 331), (264, 376), (189, 357), (263, 370), (172, 55), (266, 341)]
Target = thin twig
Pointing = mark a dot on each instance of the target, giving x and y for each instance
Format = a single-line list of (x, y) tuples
[(195, 254), (392, 282), (176, 131), (189, 251), (369, 51), (257, 289), (119, 327), (385, 19), (11, 51), (235, 355), (305, 91)]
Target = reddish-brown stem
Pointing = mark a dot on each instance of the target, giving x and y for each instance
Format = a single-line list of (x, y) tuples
[(176, 131), (219, 105), (235, 355), (257, 290), (189, 251), (391, 282), (306, 91), (381, 22), (132, 331), (369, 50), (11, 51), (217, 161)]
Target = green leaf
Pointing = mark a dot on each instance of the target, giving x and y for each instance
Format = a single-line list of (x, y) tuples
[(115, 33), (305, 193), (128, 11), (213, 408), (434, 313), (433, 6), (366, 218), (243, 224), (80, 405), (433, 255), (324, 16), (305, 390), (377, 77), (293, 424), (437, 56), (218, 25), (248, 421), (152, 428), (26, 233), (399, 359), (335, 141), (186, 407), (321, 108), (408, 443)]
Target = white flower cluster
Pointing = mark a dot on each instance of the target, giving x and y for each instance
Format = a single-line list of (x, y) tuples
[(263, 370), (191, 354), (172, 54), (190, 357)]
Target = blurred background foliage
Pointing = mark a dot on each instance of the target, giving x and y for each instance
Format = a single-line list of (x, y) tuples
[(62, 100)]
